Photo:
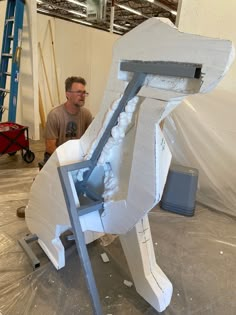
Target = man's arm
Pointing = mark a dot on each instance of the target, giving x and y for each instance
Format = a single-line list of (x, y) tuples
[(50, 145), (51, 133)]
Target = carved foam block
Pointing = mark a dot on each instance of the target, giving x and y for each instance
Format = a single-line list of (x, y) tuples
[(131, 170)]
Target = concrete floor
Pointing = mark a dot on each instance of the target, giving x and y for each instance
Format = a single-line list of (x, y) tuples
[(198, 255)]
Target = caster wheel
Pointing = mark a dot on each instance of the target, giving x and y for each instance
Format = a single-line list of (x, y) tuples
[(29, 156)]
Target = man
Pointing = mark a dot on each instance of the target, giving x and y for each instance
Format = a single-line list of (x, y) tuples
[(69, 120)]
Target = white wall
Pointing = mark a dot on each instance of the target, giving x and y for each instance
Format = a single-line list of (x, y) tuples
[(213, 18), (80, 51)]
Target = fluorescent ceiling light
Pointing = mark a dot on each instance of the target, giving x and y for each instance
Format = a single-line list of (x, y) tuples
[(163, 6), (78, 3), (39, 1), (77, 13), (120, 26), (129, 9), (42, 10), (82, 22), (117, 32)]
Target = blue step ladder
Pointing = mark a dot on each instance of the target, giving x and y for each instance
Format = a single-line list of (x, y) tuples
[(10, 57)]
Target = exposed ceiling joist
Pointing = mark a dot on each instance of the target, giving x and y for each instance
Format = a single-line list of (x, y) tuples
[(127, 14)]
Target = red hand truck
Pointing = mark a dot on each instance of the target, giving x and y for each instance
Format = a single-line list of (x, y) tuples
[(14, 137)]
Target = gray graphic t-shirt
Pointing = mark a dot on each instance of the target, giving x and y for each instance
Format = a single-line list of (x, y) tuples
[(63, 126)]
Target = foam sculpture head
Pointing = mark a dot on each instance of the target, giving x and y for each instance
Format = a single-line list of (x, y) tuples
[(125, 158)]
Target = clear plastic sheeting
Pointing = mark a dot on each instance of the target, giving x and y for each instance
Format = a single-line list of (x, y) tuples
[(198, 255), (201, 133)]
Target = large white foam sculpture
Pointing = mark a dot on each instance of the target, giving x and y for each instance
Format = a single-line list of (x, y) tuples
[(133, 166)]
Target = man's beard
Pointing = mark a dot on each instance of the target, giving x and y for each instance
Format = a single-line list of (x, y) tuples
[(80, 104)]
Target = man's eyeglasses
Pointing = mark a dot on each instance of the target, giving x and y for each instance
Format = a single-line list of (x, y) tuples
[(80, 93)]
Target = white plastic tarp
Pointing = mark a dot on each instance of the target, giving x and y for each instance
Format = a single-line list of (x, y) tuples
[(201, 133)]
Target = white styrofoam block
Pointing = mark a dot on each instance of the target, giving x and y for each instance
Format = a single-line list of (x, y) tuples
[(146, 43), (149, 280), (46, 213), (128, 283), (130, 165), (143, 175), (132, 169), (105, 258)]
